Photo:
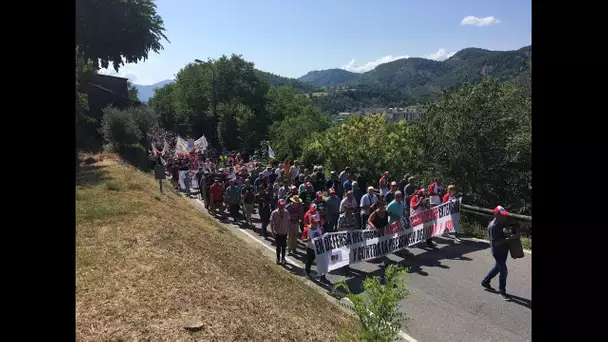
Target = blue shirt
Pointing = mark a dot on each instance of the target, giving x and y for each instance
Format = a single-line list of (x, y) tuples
[(395, 211), (348, 185)]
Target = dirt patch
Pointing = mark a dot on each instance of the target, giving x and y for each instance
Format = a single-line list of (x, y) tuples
[(150, 266)]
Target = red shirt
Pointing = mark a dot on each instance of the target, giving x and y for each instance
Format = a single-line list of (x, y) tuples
[(215, 192), (446, 198)]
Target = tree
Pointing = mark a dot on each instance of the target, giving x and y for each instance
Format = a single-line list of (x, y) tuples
[(479, 137), (118, 31), (133, 91), (290, 135), (119, 128)]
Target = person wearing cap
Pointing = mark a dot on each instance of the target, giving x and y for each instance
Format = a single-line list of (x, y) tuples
[(390, 196), (279, 225), (302, 187), (451, 196), (499, 245), (332, 204), (395, 208), (263, 199), (312, 210), (383, 183), (435, 193), (295, 213), (312, 231), (348, 200), (417, 205), (368, 201), (216, 196)]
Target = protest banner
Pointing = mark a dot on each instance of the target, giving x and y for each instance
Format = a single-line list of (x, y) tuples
[(338, 249)]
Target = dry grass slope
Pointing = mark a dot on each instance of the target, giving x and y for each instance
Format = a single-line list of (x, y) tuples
[(148, 263)]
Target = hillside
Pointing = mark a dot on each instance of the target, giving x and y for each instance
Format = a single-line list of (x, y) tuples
[(467, 64), (330, 77), (147, 264), (411, 81)]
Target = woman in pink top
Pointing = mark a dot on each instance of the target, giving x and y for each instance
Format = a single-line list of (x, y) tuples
[(279, 225)]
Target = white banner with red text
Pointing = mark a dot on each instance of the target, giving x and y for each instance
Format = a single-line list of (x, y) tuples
[(338, 249)]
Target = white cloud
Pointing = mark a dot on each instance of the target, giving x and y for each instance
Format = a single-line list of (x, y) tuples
[(124, 71), (440, 55), (473, 20), (352, 66)]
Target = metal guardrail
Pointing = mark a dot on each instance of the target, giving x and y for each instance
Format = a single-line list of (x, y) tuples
[(488, 212)]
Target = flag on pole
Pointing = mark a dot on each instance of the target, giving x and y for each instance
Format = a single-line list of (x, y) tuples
[(270, 152)]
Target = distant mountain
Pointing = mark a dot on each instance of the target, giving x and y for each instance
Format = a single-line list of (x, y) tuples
[(469, 64), (145, 92), (330, 77)]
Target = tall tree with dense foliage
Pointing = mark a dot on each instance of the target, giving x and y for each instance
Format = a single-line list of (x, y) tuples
[(479, 137), (115, 32)]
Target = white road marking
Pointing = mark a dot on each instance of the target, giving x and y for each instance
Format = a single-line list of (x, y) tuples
[(296, 263)]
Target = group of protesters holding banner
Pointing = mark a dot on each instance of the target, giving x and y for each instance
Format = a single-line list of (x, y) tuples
[(298, 204)]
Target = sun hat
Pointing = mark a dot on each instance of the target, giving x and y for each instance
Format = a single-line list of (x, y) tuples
[(296, 199)]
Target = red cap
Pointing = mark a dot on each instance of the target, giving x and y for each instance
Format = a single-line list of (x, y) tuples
[(500, 210)]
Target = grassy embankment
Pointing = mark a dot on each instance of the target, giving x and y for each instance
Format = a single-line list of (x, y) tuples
[(147, 265)]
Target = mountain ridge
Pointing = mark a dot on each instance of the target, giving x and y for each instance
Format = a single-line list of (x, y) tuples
[(424, 78)]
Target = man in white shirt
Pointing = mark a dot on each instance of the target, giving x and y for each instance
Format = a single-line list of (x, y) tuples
[(293, 171), (367, 201), (349, 199)]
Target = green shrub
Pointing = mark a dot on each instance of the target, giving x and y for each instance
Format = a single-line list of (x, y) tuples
[(119, 127), (376, 307)]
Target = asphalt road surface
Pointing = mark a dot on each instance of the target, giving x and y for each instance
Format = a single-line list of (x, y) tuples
[(447, 302)]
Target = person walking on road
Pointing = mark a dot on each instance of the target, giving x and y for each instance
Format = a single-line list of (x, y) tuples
[(310, 232), (279, 225), (295, 212), (263, 200), (367, 202), (499, 245), (332, 205)]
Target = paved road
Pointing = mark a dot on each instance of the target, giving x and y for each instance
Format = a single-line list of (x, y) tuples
[(447, 302)]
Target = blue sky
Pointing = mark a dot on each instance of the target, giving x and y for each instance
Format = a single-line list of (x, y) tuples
[(290, 38)]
